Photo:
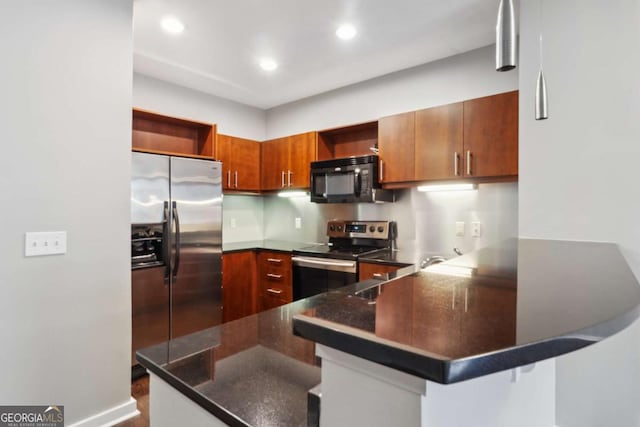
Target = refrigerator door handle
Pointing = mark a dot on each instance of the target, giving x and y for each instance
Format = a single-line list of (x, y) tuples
[(176, 264), (166, 248)]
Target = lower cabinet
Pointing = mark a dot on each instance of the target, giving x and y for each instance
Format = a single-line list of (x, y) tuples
[(239, 285), (374, 270), (274, 279)]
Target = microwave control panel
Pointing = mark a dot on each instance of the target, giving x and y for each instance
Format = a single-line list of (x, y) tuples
[(358, 229)]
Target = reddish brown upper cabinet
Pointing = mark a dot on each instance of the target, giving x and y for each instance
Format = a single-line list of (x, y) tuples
[(439, 143), (240, 163), (477, 138), (159, 134), (491, 136), (396, 148), (286, 161)]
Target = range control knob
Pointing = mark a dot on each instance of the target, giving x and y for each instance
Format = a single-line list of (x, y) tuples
[(332, 227), (339, 228), (380, 229), (372, 228)]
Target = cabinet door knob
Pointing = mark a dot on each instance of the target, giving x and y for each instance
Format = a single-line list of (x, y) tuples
[(282, 178), (274, 291), (274, 276), (289, 173), (381, 170), (276, 260), (469, 162), (236, 179), (229, 179)]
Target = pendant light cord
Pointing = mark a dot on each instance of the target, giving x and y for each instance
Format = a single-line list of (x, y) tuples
[(540, 31)]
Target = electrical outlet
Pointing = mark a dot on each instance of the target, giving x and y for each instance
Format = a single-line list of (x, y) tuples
[(45, 243), (459, 228), (298, 223), (233, 223), (476, 229)]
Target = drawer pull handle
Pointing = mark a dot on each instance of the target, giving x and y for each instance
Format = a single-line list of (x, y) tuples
[(274, 260), (274, 276), (274, 291), (377, 274)]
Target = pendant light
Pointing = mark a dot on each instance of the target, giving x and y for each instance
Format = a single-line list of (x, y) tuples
[(541, 84), (506, 37)]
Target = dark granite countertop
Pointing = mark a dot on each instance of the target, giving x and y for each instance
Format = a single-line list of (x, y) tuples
[(497, 308), (249, 372), (269, 245)]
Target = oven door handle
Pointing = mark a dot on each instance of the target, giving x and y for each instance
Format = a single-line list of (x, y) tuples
[(323, 262)]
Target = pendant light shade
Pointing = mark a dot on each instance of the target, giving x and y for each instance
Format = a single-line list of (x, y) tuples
[(506, 37), (541, 98), (541, 85)]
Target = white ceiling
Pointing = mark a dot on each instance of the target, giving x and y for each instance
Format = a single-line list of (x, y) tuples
[(223, 41)]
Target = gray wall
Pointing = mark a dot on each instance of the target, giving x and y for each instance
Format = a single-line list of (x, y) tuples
[(66, 132), (579, 178), (232, 118), (453, 79)]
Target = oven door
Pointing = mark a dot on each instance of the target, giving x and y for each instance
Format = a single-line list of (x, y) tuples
[(314, 275)]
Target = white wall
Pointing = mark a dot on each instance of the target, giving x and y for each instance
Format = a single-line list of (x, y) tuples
[(465, 76), (66, 135), (232, 118), (579, 175)]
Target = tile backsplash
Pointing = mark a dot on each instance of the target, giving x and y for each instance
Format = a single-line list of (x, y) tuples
[(426, 221)]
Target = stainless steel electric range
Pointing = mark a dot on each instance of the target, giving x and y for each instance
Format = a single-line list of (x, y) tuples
[(320, 268)]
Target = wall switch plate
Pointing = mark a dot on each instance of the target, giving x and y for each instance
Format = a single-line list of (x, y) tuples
[(460, 228), (476, 229), (45, 243), (233, 223), (298, 223)]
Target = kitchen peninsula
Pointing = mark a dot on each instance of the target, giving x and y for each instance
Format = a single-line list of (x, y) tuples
[(472, 340)]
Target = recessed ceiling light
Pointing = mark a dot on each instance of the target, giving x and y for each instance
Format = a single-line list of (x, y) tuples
[(172, 25), (268, 64), (346, 31)]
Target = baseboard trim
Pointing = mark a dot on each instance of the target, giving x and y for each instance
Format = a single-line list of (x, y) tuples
[(111, 416)]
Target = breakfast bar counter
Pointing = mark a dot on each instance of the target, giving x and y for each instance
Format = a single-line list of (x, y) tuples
[(440, 333)]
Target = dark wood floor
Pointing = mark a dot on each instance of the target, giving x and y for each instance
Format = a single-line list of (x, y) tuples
[(140, 392)]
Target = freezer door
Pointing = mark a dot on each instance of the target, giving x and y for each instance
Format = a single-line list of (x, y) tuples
[(149, 309), (196, 283), (149, 187), (149, 292)]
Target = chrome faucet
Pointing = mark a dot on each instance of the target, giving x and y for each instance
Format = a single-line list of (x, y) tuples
[(436, 259), (457, 251)]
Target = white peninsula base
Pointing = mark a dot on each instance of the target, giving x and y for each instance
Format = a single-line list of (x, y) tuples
[(357, 392)]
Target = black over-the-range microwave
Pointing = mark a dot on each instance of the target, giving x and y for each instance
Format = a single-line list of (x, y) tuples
[(347, 180)]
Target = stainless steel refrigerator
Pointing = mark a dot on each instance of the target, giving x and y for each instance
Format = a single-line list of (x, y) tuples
[(176, 247)]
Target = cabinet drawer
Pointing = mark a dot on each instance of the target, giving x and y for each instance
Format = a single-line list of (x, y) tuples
[(268, 301), (276, 285), (275, 260), (370, 270), (275, 275)]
